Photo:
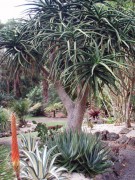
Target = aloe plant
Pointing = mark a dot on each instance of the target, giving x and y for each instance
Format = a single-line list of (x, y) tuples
[(81, 152), (41, 165)]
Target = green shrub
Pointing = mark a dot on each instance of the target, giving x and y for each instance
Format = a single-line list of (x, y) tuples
[(110, 120), (53, 107), (40, 165), (6, 171), (4, 119), (20, 107), (81, 152), (5, 99), (35, 95), (36, 109), (44, 132)]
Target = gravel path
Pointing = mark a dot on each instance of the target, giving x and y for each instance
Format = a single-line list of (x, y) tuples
[(128, 173)]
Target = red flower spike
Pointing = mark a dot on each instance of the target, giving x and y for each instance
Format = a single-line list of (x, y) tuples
[(14, 148)]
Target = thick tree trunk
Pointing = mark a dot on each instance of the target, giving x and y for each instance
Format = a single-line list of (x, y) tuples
[(75, 116), (75, 110)]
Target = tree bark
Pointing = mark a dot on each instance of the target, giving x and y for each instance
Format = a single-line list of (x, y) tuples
[(75, 116), (128, 122), (75, 110), (17, 91), (54, 114)]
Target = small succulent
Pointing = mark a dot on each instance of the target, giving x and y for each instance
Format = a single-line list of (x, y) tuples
[(40, 165)]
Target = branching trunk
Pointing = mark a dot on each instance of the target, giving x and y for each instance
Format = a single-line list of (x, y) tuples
[(75, 110)]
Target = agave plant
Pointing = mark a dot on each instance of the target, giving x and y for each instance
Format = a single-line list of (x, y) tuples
[(41, 165), (28, 143), (81, 152)]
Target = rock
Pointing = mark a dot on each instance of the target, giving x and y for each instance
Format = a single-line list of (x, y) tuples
[(28, 125), (122, 140), (131, 141), (112, 136), (104, 135), (124, 131), (107, 136), (131, 134)]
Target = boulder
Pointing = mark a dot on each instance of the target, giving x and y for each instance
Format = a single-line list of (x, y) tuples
[(122, 140), (107, 136), (131, 133), (104, 135), (131, 141), (112, 136)]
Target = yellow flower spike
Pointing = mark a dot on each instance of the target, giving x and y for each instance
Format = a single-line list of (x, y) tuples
[(14, 147)]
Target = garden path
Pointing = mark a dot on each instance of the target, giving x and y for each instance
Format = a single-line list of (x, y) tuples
[(128, 172)]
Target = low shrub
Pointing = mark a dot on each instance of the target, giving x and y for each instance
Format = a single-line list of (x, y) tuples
[(4, 120), (35, 95), (20, 107), (110, 120), (44, 132), (36, 110), (53, 108), (81, 152)]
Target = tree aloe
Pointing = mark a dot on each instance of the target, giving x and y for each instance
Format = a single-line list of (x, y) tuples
[(75, 44)]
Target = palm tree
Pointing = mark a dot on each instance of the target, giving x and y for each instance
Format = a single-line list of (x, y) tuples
[(77, 45)]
